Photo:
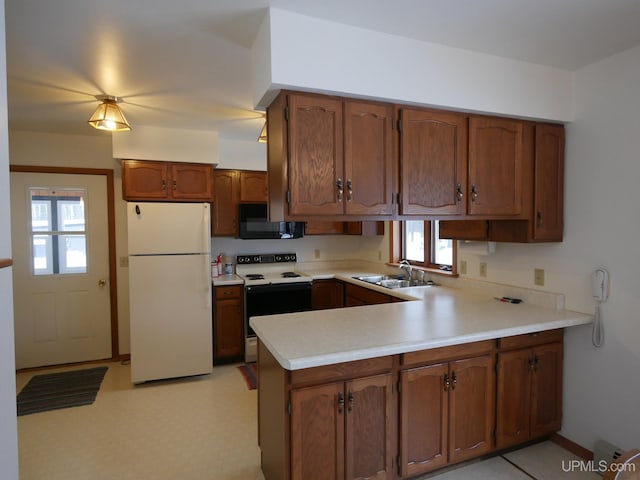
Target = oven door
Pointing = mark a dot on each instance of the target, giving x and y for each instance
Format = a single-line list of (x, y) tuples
[(275, 298)]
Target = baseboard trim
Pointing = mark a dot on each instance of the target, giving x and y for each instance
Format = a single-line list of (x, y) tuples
[(572, 446)]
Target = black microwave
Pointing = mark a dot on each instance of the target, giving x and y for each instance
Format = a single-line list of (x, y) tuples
[(254, 224)]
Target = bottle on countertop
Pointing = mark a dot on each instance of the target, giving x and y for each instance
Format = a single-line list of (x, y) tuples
[(219, 264)]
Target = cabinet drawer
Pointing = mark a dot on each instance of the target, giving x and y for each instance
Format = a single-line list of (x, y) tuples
[(230, 291), (530, 339), (341, 371), (447, 353)]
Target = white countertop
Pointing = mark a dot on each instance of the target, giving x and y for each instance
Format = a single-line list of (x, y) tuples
[(434, 317), (223, 280)]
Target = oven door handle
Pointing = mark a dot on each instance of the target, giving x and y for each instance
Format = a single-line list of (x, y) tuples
[(279, 287)]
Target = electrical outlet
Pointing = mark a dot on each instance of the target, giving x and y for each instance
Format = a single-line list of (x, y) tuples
[(483, 269), (538, 277), (124, 262), (463, 266), (316, 253)]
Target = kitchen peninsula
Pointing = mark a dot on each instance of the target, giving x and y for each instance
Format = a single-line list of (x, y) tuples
[(398, 389)]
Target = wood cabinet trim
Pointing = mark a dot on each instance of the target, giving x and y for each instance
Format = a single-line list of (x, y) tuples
[(530, 339), (442, 354), (341, 371)]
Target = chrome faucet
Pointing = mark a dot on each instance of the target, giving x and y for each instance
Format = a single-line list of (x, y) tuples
[(405, 265)]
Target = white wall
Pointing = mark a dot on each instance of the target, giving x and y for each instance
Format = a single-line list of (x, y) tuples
[(602, 228), (318, 55), (242, 155), (331, 247), (34, 148), (167, 144), (8, 419)]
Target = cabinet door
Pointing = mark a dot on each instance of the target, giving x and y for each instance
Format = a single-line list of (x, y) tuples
[(433, 163), (368, 158), (315, 156), (225, 205), (144, 180), (317, 432), (471, 407), (423, 419), (327, 294), (355, 295), (514, 398), (228, 331), (548, 182), (495, 166), (253, 187), (368, 432), (546, 402), (191, 182)]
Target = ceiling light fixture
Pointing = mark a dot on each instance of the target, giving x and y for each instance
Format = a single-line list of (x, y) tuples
[(108, 115), (263, 134)]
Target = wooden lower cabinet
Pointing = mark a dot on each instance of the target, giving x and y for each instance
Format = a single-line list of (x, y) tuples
[(529, 394), (228, 323), (446, 413), (342, 430), (355, 295), (327, 293)]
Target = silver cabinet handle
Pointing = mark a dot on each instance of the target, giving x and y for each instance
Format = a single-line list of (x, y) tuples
[(349, 190), (474, 193), (340, 186), (459, 192)]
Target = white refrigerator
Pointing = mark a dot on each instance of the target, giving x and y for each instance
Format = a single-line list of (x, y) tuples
[(169, 290)]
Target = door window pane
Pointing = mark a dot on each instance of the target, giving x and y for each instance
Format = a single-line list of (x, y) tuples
[(54, 213)]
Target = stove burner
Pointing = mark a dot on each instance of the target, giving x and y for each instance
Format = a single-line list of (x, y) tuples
[(290, 274), (255, 276)]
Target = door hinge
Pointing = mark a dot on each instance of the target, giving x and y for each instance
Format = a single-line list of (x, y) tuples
[(398, 465), (286, 114), (289, 407), (288, 196), (398, 198), (400, 122)]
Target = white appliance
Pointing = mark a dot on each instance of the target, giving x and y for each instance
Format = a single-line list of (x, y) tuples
[(169, 290)]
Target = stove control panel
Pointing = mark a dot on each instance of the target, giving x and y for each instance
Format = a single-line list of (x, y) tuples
[(266, 258)]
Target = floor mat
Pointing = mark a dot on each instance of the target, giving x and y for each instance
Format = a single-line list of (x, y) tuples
[(60, 390)]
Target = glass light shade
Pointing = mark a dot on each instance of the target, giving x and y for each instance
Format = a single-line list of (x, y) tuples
[(108, 116), (263, 134)]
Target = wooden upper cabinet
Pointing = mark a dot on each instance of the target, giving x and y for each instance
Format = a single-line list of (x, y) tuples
[(253, 186), (143, 179), (225, 205), (316, 174), (433, 162), (166, 181), (368, 158), (496, 164), (330, 158), (548, 183), (191, 181)]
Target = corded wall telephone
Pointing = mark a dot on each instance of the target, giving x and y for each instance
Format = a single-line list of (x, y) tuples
[(600, 279), (600, 292)]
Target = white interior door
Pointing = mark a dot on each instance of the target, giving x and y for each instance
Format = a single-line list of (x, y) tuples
[(60, 234)]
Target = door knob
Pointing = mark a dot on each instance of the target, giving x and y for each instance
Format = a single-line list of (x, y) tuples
[(102, 282)]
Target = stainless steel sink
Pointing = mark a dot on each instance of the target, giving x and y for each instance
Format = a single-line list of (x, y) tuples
[(394, 281)]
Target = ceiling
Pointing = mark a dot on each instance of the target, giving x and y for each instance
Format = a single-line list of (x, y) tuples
[(186, 64)]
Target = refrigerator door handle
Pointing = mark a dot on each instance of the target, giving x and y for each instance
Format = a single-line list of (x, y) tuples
[(206, 246)]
